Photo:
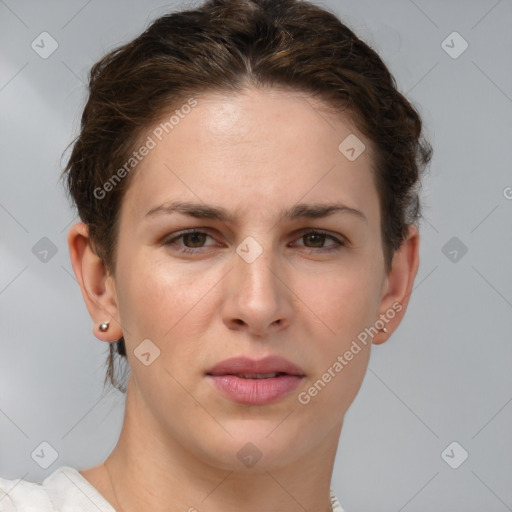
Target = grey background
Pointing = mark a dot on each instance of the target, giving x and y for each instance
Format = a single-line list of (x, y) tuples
[(444, 376)]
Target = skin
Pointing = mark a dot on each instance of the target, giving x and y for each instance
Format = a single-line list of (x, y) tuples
[(253, 154)]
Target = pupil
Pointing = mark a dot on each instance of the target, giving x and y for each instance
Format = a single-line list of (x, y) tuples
[(198, 239), (316, 239), (193, 239)]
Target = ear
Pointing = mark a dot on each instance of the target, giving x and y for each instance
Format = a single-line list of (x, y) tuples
[(397, 286), (96, 284)]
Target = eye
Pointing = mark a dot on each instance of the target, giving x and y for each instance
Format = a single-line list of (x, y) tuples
[(316, 240), (195, 239), (192, 239)]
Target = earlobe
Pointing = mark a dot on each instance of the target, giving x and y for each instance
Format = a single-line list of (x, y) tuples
[(399, 284), (96, 284)]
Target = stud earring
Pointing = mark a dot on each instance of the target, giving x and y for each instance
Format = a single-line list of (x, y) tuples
[(384, 329), (104, 326)]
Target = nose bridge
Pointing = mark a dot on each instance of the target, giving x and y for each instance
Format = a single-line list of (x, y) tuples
[(255, 266), (256, 296)]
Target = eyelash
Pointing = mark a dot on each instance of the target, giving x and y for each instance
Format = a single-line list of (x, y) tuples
[(338, 244)]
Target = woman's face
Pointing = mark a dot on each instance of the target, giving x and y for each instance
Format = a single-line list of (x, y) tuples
[(267, 273)]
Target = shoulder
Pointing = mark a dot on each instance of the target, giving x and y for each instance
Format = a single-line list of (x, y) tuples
[(65, 490), (336, 507), (19, 495)]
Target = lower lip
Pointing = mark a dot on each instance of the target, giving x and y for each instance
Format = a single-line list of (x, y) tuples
[(255, 391)]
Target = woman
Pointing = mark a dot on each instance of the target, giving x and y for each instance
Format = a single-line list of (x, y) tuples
[(246, 177)]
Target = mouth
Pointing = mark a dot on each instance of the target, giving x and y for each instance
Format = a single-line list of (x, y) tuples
[(255, 382), (245, 367), (255, 375)]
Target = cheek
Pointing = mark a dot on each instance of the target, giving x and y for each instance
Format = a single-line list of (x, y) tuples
[(346, 305), (346, 300), (155, 297)]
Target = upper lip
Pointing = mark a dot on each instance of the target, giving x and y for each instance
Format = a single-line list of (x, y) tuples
[(245, 365)]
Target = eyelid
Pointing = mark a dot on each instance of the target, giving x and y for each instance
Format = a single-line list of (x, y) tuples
[(297, 234), (339, 241), (333, 236), (179, 234)]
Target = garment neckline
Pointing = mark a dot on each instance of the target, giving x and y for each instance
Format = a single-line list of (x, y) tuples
[(89, 492), (93, 494)]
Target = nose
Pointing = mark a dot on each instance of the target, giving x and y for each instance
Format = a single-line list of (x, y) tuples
[(258, 298)]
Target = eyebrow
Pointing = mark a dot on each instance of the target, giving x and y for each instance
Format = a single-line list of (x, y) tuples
[(299, 211)]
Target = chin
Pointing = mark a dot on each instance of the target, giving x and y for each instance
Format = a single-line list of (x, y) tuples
[(257, 445)]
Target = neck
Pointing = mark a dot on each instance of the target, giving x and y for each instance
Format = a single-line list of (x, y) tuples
[(156, 472)]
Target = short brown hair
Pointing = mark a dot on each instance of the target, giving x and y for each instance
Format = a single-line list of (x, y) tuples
[(228, 45)]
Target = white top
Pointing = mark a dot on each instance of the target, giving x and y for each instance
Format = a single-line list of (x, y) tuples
[(65, 490)]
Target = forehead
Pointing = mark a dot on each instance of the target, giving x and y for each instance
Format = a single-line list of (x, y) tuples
[(252, 150)]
